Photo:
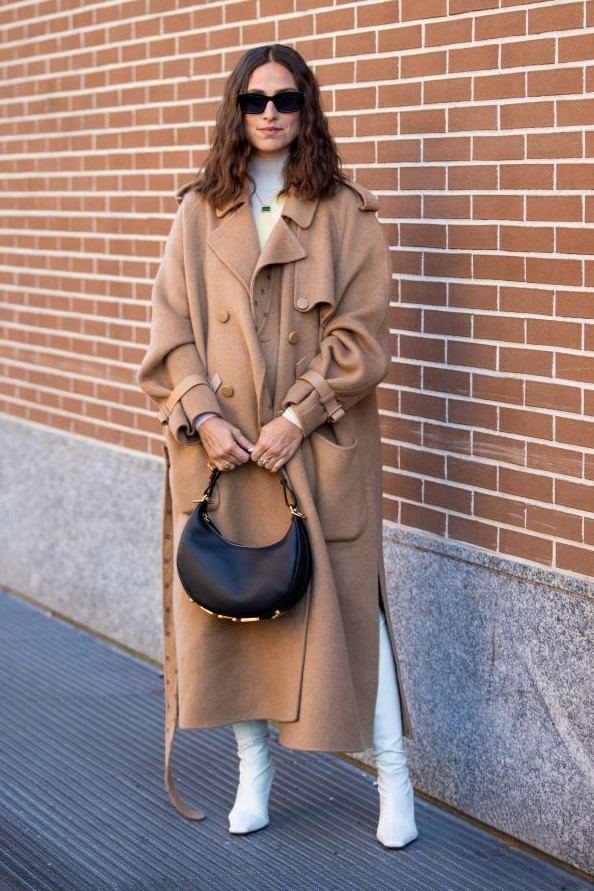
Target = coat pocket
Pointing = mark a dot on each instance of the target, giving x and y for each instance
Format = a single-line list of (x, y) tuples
[(338, 488)]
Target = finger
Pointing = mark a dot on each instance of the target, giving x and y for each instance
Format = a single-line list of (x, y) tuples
[(242, 440), (237, 455), (257, 453)]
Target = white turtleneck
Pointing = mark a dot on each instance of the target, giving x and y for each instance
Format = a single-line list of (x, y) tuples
[(267, 174)]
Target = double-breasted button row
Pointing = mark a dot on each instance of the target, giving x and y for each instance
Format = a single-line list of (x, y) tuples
[(227, 391), (293, 337), (302, 303), (223, 316)]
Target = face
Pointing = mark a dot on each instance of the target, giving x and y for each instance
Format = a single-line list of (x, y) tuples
[(271, 132)]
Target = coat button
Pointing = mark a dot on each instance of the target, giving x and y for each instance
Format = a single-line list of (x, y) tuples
[(302, 303), (293, 337), (223, 316), (227, 391)]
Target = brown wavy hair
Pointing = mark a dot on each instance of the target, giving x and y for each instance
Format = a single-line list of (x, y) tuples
[(313, 168)]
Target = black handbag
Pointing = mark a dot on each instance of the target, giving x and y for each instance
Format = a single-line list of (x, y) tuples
[(243, 584)]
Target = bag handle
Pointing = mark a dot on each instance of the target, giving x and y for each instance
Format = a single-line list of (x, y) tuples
[(288, 491)]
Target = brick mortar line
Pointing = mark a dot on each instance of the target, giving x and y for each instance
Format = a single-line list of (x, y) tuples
[(496, 463), (50, 369), (484, 252), (68, 354), (112, 425), (77, 336), (84, 233), (82, 214), (156, 193), (65, 273), (493, 462), (66, 314), (496, 403), (539, 286), (513, 375), (499, 524), (95, 175), (69, 394), (98, 298), (78, 234), (525, 440), (471, 487)]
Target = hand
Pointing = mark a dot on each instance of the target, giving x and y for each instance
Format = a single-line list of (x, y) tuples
[(277, 443), (225, 445)]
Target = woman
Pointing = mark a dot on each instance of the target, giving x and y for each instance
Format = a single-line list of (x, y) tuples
[(267, 343)]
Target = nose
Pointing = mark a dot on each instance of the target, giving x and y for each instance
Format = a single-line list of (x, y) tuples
[(270, 110)]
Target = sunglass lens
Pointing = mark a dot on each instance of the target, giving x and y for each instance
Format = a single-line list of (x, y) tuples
[(252, 103), (288, 102)]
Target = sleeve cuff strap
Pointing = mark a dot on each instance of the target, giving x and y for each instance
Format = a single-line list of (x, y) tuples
[(176, 394), (327, 396)]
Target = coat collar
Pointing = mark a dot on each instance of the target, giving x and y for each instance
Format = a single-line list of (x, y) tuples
[(235, 239), (299, 210)]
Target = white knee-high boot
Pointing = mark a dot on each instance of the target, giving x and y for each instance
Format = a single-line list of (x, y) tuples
[(256, 772), (396, 827)]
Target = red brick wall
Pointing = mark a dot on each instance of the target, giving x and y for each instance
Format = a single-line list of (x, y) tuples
[(473, 124)]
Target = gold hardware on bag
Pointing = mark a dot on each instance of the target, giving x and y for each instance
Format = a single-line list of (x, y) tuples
[(232, 618)]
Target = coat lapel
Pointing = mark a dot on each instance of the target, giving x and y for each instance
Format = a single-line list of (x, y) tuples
[(235, 242), (283, 246)]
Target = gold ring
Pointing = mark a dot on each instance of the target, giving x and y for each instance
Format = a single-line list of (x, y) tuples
[(227, 465), (211, 466)]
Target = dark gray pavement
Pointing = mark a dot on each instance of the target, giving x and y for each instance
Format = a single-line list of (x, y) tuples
[(83, 807)]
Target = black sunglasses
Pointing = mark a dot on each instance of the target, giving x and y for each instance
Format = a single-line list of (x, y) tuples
[(286, 102)]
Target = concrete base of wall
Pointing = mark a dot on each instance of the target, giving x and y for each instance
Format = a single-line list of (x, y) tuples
[(80, 531), (497, 661), (496, 655)]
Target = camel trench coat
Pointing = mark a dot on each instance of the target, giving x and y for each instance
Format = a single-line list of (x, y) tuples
[(245, 333)]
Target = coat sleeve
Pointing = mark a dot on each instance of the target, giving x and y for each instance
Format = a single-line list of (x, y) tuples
[(172, 372), (354, 351)]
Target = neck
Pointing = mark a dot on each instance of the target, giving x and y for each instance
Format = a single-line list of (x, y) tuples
[(267, 174)]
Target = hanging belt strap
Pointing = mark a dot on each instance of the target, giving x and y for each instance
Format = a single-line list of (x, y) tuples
[(170, 656), (165, 409), (327, 396)]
